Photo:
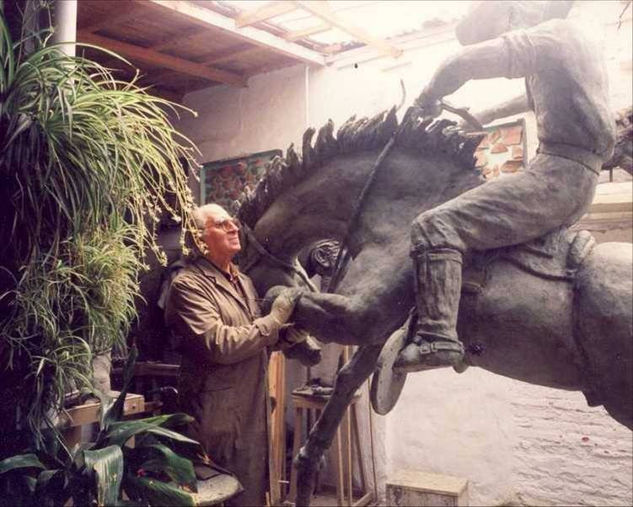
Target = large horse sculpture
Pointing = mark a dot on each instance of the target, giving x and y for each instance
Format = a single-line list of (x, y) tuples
[(556, 312)]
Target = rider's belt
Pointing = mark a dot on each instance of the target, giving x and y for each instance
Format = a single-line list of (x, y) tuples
[(584, 157)]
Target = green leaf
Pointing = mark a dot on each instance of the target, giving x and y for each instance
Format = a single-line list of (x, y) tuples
[(20, 461), (107, 464), (115, 412), (169, 420), (157, 492), (53, 486), (179, 469), (120, 433)]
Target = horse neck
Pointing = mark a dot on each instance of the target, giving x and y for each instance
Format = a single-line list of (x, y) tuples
[(321, 205), (318, 207)]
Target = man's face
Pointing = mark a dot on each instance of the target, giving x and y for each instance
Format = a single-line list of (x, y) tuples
[(221, 234)]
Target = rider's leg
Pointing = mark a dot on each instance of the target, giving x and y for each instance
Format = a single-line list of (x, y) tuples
[(503, 212), (438, 287)]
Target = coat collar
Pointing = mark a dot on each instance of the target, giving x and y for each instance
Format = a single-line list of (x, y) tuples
[(211, 271)]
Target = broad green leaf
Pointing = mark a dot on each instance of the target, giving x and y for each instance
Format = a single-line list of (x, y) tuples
[(179, 469), (107, 464), (120, 433), (20, 461), (115, 412), (157, 492), (169, 420)]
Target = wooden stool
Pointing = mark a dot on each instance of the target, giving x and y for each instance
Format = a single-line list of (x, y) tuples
[(343, 456)]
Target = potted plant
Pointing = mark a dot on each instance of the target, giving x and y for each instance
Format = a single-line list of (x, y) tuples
[(157, 470), (88, 164)]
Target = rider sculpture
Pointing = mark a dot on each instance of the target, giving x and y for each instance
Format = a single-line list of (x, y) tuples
[(567, 90)]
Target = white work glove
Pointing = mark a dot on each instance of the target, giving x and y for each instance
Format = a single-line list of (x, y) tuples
[(284, 305)]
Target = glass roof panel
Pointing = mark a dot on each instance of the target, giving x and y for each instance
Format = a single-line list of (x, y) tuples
[(380, 18)]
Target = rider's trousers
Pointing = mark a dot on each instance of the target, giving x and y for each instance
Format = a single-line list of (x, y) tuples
[(552, 192)]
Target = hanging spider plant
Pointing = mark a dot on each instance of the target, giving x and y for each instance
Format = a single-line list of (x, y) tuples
[(88, 165)]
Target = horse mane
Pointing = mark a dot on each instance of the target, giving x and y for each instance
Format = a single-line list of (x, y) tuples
[(425, 137)]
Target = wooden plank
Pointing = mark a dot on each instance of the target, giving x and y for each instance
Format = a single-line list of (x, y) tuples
[(306, 32), (89, 412), (206, 17), (276, 389), (156, 369), (267, 11), (163, 60), (298, 438), (180, 39), (227, 56), (124, 12), (322, 10)]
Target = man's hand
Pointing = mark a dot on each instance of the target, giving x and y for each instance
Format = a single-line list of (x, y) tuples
[(284, 305)]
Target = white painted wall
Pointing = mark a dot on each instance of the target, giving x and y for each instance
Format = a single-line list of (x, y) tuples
[(516, 443)]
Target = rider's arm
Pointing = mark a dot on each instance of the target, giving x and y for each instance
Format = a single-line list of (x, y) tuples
[(485, 60), (515, 54), (513, 106)]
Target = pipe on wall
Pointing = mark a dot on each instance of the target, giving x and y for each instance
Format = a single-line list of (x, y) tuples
[(65, 19)]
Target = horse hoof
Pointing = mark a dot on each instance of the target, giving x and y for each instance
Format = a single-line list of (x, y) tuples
[(387, 384)]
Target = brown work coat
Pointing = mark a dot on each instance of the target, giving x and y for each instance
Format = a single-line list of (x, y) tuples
[(222, 380)]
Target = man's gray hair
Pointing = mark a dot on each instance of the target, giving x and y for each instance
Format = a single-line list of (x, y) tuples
[(201, 214)]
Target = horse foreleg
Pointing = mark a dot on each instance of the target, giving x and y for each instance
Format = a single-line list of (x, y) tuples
[(350, 320), (348, 380)]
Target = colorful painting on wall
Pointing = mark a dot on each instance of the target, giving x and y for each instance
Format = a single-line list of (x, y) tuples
[(503, 150), (223, 181)]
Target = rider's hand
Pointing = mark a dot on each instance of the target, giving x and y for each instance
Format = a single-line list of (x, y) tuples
[(429, 106)]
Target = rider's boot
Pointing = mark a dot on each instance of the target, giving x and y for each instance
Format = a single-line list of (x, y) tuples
[(438, 288)]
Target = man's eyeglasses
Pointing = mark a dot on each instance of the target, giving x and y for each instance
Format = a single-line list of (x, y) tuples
[(226, 224)]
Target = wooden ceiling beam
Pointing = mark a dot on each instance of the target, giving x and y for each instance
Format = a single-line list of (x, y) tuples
[(127, 11), (322, 10), (300, 34), (265, 12), (207, 17), (181, 38), (162, 60), (229, 55)]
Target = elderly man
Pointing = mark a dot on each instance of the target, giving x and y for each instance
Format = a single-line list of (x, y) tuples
[(214, 309), (567, 87)]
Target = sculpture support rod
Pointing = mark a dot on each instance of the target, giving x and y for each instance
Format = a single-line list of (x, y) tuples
[(349, 379)]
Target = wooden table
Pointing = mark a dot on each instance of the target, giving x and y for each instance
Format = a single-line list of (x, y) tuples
[(72, 419)]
